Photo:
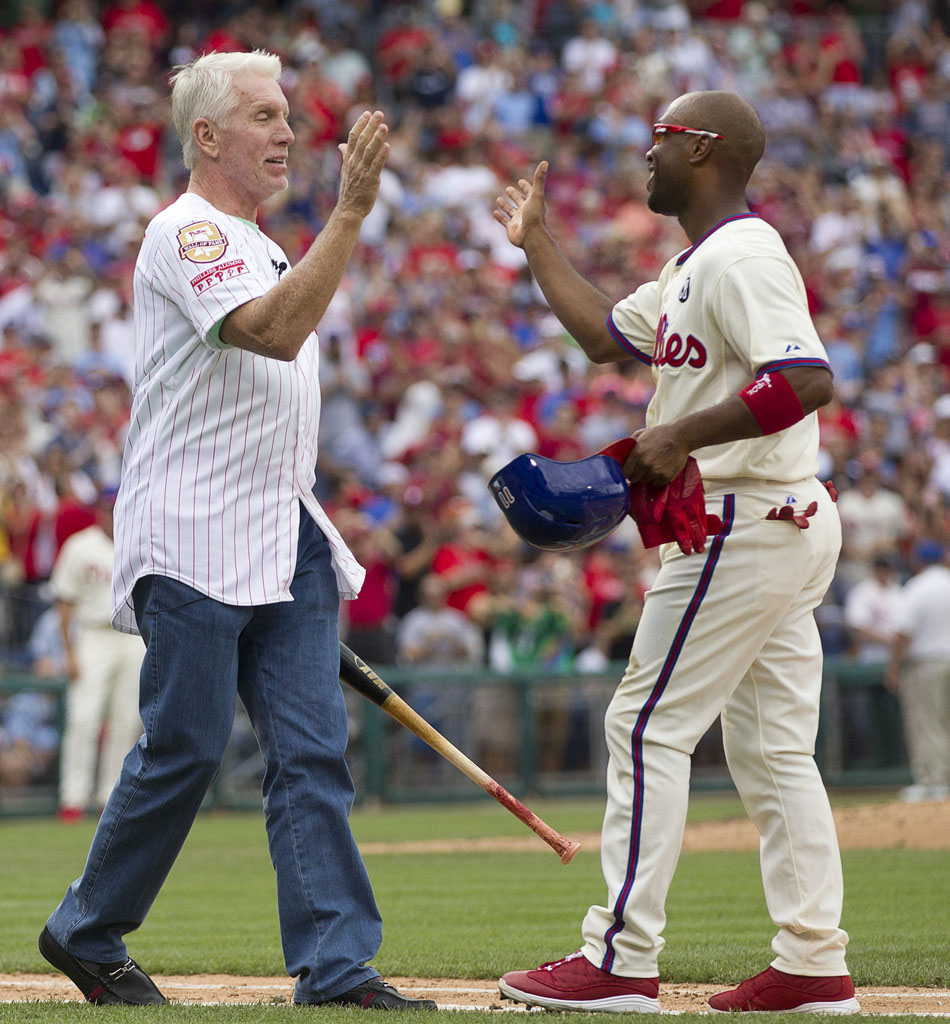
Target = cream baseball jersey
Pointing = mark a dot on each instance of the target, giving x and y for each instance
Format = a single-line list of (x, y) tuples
[(728, 309), (82, 575), (222, 443)]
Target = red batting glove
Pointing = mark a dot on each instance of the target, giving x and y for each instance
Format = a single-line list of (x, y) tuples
[(674, 512), (832, 490), (684, 510), (647, 507), (788, 514), (619, 450)]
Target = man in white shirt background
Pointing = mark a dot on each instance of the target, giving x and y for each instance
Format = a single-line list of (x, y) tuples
[(874, 520), (870, 615), (919, 673)]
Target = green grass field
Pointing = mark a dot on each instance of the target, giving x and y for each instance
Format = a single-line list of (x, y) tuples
[(470, 914)]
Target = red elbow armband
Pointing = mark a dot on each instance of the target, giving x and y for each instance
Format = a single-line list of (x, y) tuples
[(773, 402)]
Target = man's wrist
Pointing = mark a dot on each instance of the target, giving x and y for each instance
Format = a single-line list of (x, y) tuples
[(537, 236), (687, 434), (346, 216)]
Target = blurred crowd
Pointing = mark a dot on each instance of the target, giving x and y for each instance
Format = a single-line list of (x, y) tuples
[(440, 360)]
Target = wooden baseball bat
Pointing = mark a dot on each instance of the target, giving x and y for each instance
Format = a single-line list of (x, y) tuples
[(356, 673)]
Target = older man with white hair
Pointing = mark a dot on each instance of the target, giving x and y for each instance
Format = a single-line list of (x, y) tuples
[(225, 561)]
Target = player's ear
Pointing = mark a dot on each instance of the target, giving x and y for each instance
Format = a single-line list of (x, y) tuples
[(205, 132), (700, 149)]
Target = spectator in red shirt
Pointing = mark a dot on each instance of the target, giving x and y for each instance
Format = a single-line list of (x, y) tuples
[(398, 47), (465, 562), (139, 140), (141, 18), (370, 625)]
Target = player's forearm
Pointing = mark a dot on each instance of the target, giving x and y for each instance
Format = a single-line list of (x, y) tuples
[(661, 451), (65, 613), (899, 646), (733, 420), (279, 322), (581, 308)]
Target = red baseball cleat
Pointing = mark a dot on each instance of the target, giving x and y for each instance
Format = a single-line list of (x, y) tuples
[(574, 983), (779, 992)]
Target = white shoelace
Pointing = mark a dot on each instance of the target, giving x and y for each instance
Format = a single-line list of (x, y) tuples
[(557, 963)]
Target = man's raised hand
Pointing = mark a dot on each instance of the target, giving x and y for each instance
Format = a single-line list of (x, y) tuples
[(522, 206), (364, 154)]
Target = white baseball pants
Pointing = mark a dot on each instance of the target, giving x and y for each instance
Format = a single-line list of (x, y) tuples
[(105, 694), (925, 707), (729, 631)]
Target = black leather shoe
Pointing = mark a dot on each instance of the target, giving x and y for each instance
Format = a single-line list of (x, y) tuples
[(123, 983), (377, 994)]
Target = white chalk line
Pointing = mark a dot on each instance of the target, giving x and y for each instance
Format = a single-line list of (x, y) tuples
[(489, 988)]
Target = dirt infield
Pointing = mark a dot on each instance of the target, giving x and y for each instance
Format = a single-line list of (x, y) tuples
[(449, 993), (924, 826), (889, 826), (883, 826)]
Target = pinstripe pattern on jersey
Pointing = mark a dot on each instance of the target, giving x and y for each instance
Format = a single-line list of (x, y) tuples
[(636, 737), (222, 443)]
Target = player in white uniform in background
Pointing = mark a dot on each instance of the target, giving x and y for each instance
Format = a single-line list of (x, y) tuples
[(225, 562), (739, 372), (102, 665)]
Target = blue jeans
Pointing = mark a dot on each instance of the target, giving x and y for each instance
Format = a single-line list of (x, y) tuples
[(283, 661)]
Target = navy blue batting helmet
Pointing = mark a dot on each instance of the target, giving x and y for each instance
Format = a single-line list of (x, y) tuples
[(560, 506)]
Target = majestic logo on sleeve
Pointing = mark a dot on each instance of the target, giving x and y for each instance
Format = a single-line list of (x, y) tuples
[(201, 242), (684, 291), (675, 350)]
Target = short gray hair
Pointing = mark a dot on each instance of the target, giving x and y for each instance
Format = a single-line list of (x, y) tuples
[(205, 88)]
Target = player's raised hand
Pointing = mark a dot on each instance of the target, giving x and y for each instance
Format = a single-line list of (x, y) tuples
[(364, 154), (522, 206)]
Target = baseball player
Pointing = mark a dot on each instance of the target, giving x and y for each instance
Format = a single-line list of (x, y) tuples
[(102, 665), (727, 629), (225, 561)]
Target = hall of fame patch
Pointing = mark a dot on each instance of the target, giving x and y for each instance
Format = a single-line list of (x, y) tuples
[(201, 242)]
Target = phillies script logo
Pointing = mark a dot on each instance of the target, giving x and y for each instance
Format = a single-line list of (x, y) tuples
[(201, 242), (676, 350)]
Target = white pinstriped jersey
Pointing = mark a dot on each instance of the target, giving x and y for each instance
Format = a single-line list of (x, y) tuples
[(730, 308), (222, 444)]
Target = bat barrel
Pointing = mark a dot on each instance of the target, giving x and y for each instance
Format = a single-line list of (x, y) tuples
[(566, 849), (355, 672)]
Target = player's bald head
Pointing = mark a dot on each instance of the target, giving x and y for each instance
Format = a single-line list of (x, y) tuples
[(729, 115)]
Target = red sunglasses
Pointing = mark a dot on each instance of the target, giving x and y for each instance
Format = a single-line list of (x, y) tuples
[(659, 130)]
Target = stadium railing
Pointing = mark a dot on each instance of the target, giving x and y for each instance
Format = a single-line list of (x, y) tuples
[(536, 732)]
